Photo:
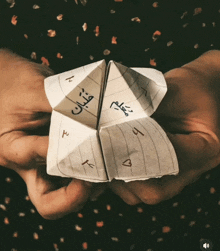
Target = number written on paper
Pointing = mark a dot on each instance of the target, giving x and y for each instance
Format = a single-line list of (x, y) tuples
[(69, 79), (145, 91), (65, 133), (136, 131), (89, 164)]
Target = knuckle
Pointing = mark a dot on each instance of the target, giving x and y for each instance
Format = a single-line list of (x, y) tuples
[(153, 197), (45, 214), (78, 197)]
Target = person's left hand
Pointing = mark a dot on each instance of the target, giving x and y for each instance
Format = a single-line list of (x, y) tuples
[(25, 116), (190, 115)]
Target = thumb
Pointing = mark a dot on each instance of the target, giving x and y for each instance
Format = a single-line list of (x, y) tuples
[(196, 151)]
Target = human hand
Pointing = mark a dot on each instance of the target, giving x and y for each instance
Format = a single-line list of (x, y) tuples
[(190, 115), (25, 116)]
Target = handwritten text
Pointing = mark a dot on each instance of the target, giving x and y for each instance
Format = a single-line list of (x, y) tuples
[(136, 131), (81, 105), (69, 79), (89, 164), (65, 133), (127, 162), (121, 107)]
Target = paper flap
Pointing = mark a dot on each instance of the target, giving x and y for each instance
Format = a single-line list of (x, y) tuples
[(137, 149), (155, 83), (74, 150), (130, 94), (56, 86), (76, 93), (101, 127)]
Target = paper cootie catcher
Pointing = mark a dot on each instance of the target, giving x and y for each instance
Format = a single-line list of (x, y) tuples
[(101, 127)]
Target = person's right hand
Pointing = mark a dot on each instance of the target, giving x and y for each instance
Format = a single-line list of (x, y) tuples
[(25, 116)]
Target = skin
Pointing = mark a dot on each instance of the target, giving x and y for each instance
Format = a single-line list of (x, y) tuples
[(25, 117), (189, 114)]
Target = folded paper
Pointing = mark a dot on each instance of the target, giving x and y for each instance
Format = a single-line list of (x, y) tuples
[(101, 127)]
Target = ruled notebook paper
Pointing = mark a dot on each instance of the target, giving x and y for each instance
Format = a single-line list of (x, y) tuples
[(101, 127)]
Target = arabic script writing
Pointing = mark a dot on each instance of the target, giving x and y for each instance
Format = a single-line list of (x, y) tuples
[(121, 107), (81, 105)]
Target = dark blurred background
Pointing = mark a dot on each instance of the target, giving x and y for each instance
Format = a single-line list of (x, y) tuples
[(184, 30)]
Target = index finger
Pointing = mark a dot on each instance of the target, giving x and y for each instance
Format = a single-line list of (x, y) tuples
[(44, 72), (35, 97)]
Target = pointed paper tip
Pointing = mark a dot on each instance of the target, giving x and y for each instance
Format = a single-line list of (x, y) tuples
[(100, 62), (110, 63), (115, 63)]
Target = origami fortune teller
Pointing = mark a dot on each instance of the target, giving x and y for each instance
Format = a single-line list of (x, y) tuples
[(101, 127)]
